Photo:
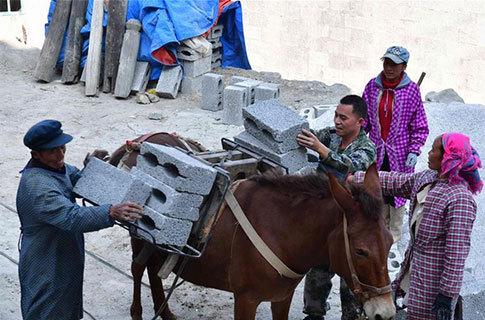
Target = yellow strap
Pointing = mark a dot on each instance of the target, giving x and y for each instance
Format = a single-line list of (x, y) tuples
[(263, 249)]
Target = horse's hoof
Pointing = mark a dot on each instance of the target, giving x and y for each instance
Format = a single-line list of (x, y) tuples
[(170, 317)]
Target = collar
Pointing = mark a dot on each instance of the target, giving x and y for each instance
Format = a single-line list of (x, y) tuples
[(34, 163), (404, 81)]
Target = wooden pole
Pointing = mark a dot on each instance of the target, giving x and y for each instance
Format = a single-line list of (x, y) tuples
[(93, 64), (421, 78), (70, 68), (46, 66), (114, 40)]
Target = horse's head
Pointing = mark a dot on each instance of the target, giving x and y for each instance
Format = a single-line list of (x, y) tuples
[(358, 250)]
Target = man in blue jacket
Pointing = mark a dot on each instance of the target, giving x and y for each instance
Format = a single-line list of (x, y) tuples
[(51, 262)]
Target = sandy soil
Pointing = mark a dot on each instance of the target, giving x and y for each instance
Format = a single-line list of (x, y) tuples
[(105, 122)]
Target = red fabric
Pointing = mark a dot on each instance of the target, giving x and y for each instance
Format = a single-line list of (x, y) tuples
[(385, 106), (164, 56), (222, 5)]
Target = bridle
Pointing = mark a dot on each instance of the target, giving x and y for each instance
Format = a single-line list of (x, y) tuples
[(371, 291)]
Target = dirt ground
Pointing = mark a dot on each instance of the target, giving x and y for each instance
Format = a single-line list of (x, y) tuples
[(105, 122)]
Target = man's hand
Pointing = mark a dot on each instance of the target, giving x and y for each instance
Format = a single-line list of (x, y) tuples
[(98, 153), (310, 141), (442, 307), (411, 160), (126, 211)]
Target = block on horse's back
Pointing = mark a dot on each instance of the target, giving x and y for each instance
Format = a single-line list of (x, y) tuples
[(176, 169), (169, 202), (102, 183)]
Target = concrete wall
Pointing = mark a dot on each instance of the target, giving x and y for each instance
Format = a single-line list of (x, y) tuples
[(342, 41)]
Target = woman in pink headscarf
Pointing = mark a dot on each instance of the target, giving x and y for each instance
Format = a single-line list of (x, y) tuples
[(441, 217)]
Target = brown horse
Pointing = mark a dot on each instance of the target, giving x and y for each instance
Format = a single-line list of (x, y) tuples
[(300, 219)]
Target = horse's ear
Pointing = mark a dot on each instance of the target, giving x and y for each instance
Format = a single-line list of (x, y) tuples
[(340, 194), (371, 181)]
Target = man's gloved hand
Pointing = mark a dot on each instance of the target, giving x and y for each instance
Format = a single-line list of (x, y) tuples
[(98, 153), (442, 307), (411, 160), (126, 211)]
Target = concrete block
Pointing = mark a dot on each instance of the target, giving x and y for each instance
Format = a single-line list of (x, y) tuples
[(251, 85), (294, 160), (266, 91), (274, 125), (216, 56), (187, 53), (141, 77), (216, 44), (197, 67), (169, 202), (169, 82), (322, 108), (216, 32), (307, 113), (102, 183), (164, 229), (216, 64), (176, 169), (212, 91), (236, 79), (191, 85), (235, 99)]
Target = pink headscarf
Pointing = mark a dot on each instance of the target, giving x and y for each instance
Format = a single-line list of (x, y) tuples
[(461, 161)]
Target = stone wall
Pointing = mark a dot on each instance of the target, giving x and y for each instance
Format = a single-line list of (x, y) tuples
[(342, 41)]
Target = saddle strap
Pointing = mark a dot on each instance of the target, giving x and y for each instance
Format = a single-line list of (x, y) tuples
[(256, 240)]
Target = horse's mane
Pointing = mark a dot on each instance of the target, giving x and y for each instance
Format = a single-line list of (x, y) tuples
[(316, 185)]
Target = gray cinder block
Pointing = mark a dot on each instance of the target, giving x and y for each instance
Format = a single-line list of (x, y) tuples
[(102, 183), (266, 91), (212, 90), (216, 44), (294, 160), (142, 76), (176, 169), (216, 31), (197, 67), (216, 56), (169, 82), (164, 229), (274, 125), (251, 85), (191, 85), (216, 63), (236, 79), (164, 199), (235, 99), (187, 53)]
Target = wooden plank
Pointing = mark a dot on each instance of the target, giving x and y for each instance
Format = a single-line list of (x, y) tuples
[(129, 53), (70, 68), (114, 40), (93, 64), (46, 66)]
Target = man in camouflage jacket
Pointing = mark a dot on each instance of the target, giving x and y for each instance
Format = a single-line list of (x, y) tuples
[(343, 149)]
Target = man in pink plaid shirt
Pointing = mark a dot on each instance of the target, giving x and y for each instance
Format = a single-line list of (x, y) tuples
[(441, 217), (396, 123)]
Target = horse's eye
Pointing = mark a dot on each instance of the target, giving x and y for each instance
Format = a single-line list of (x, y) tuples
[(362, 253)]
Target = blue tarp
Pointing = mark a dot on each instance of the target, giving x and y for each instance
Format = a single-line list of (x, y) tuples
[(167, 22)]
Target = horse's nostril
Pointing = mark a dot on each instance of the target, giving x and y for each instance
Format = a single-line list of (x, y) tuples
[(378, 317)]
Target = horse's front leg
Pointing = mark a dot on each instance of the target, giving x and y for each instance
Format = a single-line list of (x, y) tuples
[(156, 286), (137, 273), (281, 309), (244, 307)]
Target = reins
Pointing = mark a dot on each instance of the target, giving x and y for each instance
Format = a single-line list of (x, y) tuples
[(371, 290)]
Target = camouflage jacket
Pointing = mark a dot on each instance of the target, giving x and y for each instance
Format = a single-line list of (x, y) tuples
[(358, 155)]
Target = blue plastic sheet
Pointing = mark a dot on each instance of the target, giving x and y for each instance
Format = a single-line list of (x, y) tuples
[(166, 23)]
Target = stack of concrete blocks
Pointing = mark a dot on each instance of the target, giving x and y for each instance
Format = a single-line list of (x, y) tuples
[(271, 129), (194, 65), (169, 82), (261, 90), (214, 38), (212, 92), (179, 184)]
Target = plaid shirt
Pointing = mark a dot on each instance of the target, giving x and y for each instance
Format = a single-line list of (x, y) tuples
[(358, 155), (443, 240), (409, 126)]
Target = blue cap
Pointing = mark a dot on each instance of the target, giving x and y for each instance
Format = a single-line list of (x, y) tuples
[(397, 54), (46, 134)]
